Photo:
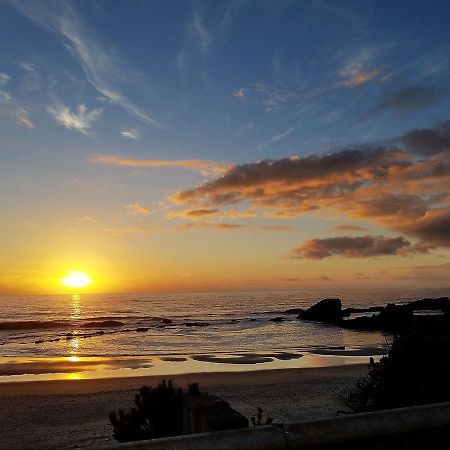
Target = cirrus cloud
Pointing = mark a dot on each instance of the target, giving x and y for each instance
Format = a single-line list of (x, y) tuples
[(190, 164)]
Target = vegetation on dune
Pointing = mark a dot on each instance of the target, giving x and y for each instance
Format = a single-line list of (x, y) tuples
[(258, 421), (158, 413), (415, 371)]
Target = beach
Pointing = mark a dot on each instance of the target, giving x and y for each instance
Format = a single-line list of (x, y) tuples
[(61, 414)]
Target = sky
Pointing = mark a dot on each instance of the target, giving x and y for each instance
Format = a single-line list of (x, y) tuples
[(195, 145)]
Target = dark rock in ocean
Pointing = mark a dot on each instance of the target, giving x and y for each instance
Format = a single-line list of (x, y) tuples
[(197, 324), (166, 321), (441, 303), (391, 318), (294, 311), (141, 330), (276, 319), (328, 310)]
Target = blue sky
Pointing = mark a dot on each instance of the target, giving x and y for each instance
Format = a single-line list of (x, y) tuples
[(223, 82)]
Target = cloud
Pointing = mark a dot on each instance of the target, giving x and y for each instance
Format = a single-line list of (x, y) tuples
[(5, 97), (11, 106), (352, 247), (428, 141), (433, 228), (200, 31), (4, 79), (196, 213), (130, 133), (301, 280), (211, 213), (402, 185), (358, 77), (102, 67), (200, 165), (291, 181), (360, 68), (135, 209), (408, 99), (232, 227), (349, 228), (240, 93), (279, 136), (274, 97), (131, 230), (82, 120), (24, 120)]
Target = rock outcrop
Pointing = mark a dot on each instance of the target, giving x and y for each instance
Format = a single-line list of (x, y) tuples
[(328, 310)]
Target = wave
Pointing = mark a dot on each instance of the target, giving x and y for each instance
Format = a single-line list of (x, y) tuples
[(53, 324), (33, 324)]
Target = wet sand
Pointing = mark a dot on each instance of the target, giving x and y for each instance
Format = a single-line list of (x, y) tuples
[(63, 414)]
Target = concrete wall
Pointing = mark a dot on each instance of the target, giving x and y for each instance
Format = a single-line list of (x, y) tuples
[(416, 428), (203, 413)]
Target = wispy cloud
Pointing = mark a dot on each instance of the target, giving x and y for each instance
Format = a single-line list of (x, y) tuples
[(314, 279), (193, 214), (130, 133), (131, 230), (239, 93), (220, 226), (101, 66), (206, 167), (199, 29), (136, 209), (278, 137), (25, 120), (357, 77), (4, 79), (360, 67), (10, 105), (81, 120)]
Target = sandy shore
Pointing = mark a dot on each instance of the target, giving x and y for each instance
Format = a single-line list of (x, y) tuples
[(74, 413)]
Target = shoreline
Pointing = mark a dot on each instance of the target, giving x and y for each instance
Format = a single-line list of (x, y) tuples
[(206, 379)]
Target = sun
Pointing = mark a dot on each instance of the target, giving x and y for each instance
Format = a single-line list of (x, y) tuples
[(76, 279)]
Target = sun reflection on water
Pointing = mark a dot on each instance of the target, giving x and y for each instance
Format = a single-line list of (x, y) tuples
[(75, 307), (75, 315)]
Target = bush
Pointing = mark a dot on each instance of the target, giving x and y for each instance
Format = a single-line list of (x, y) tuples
[(415, 371), (257, 420), (158, 413)]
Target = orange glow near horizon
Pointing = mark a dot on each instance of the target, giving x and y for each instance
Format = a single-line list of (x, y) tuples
[(76, 279)]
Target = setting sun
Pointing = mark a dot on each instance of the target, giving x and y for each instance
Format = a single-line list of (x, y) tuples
[(76, 279)]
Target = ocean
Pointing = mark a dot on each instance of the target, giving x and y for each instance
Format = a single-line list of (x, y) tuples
[(188, 324)]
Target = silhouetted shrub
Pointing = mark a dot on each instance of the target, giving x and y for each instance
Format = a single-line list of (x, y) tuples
[(158, 413), (415, 371), (257, 420), (193, 389)]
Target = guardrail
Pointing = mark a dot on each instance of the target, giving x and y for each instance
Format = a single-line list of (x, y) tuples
[(415, 428)]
